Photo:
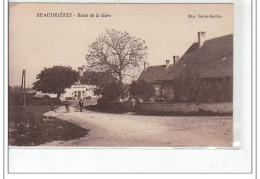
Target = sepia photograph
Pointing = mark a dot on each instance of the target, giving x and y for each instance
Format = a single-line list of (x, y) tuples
[(120, 75)]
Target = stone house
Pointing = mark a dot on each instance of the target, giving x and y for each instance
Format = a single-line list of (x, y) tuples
[(212, 61), (152, 74)]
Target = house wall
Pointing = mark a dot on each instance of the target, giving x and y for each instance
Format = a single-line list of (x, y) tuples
[(157, 87), (206, 90), (221, 90), (168, 91)]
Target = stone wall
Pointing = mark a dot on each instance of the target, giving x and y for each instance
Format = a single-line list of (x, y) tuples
[(218, 108), (176, 108), (115, 106)]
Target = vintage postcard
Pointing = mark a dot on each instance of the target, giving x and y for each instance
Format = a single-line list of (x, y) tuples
[(120, 75)]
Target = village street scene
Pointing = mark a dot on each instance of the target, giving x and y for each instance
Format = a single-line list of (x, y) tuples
[(123, 90)]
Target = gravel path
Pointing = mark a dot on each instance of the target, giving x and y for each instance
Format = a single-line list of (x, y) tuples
[(129, 130)]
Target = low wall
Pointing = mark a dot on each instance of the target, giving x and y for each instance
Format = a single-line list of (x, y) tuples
[(115, 106), (177, 108), (217, 108)]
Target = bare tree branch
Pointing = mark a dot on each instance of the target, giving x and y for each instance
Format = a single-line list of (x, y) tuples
[(117, 52)]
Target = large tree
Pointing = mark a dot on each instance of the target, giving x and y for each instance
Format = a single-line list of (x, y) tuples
[(117, 52), (106, 84), (112, 91), (55, 79), (99, 79), (142, 89)]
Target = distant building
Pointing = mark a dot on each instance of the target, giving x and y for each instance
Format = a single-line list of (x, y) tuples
[(40, 94), (17, 90), (79, 90), (16, 96), (152, 74)]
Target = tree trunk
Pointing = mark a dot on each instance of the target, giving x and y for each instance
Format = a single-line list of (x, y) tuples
[(120, 83), (120, 78), (58, 96)]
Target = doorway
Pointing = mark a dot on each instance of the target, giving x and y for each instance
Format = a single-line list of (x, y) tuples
[(79, 94)]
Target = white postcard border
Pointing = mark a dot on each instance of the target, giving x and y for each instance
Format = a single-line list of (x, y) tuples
[(163, 160)]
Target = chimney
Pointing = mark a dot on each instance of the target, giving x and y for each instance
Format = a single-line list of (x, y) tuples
[(201, 38), (167, 63), (145, 66), (80, 70), (175, 59)]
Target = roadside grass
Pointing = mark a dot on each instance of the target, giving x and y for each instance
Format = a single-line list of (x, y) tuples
[(26, 127)]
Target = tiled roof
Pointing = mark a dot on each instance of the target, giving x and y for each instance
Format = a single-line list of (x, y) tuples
[(213, 59), (153, 73), (192, 48)]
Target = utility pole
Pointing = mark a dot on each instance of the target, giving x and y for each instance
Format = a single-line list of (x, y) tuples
[(21, 98), (23, 95)]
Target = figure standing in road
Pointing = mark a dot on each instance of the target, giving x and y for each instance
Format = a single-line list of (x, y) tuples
[(67, 106), (81, 105)]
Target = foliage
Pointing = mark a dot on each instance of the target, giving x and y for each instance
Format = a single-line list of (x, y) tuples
[(117, 52), (190, 87), (142, 89), (55, 79), (112, 91), (159, 98), (99, 79), (187, 86), (28, 128), (106, 84), (10, 90)]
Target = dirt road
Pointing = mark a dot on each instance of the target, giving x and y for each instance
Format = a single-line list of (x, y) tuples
[(128, 130)]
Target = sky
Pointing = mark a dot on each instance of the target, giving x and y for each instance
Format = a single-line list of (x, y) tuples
[(38, 42)]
